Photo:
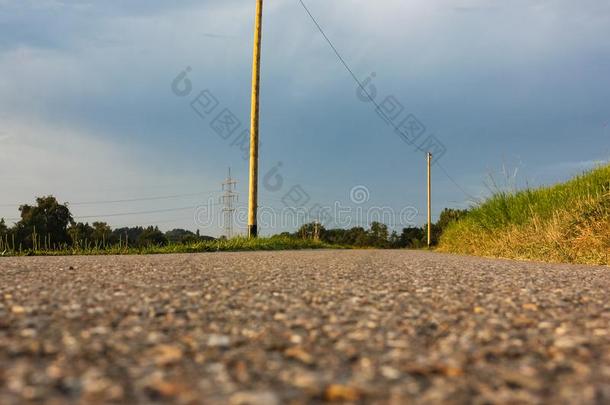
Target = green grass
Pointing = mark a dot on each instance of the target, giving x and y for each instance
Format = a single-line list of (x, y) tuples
[(505, 208), (568, 222), (230, 245)]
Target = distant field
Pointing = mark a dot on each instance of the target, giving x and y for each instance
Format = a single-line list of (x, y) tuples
[(569, 222)]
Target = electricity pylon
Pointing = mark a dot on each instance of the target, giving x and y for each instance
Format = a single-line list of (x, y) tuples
[(229, 197), (256, 76)]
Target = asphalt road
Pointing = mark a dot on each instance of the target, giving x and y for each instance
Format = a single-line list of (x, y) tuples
[(301, 327)]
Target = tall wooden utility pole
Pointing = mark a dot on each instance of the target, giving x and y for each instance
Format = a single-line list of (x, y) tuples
[(256, 79), (429, 155)]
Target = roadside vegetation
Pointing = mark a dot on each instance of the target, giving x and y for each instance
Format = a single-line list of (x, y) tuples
[(378, 235), (567, 223), (216, 245), (48, 228)]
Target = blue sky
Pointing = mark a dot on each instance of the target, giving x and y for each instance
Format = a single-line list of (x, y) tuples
[(88, 113)]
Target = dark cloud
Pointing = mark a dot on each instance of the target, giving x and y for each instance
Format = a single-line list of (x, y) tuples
[(64, 24), (484, 87)]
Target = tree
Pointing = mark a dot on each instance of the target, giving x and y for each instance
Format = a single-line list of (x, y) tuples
[(185, 236), (379, 235), (3, 228), (101, 233), (412, 237), (127, 236), (348, 237), (81, 234), (448, 216), (394, 240), (152, 236), (47, 220), (178, 235), (308, 231), (181, 236), (359, 236)]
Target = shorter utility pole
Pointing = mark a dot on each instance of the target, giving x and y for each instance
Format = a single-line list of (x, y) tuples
[(229, 197), (429, 155)]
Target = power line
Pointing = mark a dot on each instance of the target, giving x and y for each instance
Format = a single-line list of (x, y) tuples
[(351, 72), (455, 183), (165, 197), (160, 222), (123, 214)]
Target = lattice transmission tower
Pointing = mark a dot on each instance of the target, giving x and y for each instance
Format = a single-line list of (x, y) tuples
[(229, 197)]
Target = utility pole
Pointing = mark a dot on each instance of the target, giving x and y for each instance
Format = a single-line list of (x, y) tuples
[(254, 123), (229, 197), (429, 155)]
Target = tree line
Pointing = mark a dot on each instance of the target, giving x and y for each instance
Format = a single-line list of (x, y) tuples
[(378, 235), (49, 225)]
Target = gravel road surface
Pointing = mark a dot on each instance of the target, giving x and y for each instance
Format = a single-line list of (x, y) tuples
[(302, 327)]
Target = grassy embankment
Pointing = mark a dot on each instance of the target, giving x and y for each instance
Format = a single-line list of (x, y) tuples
[(231, 245), (568, 222)]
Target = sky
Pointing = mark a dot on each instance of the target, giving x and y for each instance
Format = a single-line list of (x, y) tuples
[(94, 110)]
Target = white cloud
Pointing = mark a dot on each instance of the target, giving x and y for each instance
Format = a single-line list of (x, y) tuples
[(48, 158), (73, 165)]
